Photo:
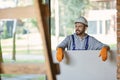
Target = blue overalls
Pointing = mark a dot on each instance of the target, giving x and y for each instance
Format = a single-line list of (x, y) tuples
[(86, 45)]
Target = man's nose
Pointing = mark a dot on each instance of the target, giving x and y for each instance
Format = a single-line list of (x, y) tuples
[(77, 27)]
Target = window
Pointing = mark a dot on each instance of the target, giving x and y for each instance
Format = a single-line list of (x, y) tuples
[(100, 27), (92, 29), (107, 25)]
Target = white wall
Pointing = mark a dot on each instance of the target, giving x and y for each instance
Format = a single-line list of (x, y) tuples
[(86, 65)]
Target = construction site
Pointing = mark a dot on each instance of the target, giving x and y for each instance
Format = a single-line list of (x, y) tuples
[(31, 30)]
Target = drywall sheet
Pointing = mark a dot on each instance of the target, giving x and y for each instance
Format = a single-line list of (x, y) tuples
[(86, 65)]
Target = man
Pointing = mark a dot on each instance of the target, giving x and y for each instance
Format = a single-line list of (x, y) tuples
[(81, 41)]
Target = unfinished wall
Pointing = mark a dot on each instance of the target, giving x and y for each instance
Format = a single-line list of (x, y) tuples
[(118, 39)]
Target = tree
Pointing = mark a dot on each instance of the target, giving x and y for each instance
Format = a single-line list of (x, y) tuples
[(69, 10)]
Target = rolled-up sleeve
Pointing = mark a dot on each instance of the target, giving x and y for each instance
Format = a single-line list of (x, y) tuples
[(64, 43), (97, 44)]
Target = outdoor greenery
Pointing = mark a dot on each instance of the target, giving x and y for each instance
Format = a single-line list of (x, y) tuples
[(22, 77), (22, 27), (4, 33), (69, 10)]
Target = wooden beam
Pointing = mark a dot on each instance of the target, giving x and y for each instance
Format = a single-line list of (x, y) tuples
[(42, 16), (17, 12), (118, 2), (22, 68)]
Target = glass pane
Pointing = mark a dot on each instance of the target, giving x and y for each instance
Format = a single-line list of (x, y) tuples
[(22, 37), (100, 26), (107, 24), (92, 29), (28, 42), (28, 47)]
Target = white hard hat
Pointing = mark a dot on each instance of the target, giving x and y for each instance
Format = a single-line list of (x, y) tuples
[(82, 20)]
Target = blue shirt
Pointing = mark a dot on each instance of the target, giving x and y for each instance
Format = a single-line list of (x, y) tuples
[(80, 44)]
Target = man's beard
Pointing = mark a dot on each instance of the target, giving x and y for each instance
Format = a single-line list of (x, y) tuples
[(78, 32)]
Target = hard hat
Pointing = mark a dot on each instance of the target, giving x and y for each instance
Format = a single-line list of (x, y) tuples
[(82, 20)]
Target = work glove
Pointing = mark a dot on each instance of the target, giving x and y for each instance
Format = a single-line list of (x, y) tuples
[(59, 54), (103, 54)]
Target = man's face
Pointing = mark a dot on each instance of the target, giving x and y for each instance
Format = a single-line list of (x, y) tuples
[(80, 28)]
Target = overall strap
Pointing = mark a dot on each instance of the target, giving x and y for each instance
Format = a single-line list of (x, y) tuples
[(73, 44), (86, 45)]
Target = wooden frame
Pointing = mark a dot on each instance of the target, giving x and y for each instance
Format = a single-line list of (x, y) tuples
[(17, 12), (39, 11), (22, 68)]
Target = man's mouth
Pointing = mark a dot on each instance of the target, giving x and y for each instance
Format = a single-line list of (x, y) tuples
[(77, 30)]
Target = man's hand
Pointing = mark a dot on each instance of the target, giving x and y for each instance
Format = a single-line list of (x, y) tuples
[(103, 53), (59, 54)]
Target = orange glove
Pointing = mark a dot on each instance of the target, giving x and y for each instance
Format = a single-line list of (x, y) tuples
[(59, 54), (103, 53)]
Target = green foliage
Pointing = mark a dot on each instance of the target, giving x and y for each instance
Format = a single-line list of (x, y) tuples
[(33, 22), (24, 77), (28, 25), (8, 75), (71, 9), (4, 33)]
